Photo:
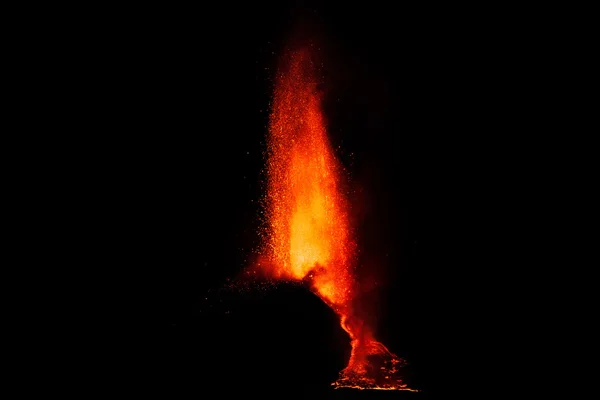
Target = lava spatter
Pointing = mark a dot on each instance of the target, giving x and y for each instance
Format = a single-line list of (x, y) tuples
[(308, 234)]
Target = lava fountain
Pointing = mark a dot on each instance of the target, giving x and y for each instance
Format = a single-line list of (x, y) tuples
[(308, 234)]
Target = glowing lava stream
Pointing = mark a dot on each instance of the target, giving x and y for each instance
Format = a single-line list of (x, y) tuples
[(308, 235)]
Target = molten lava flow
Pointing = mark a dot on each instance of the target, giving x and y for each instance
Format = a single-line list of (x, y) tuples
[(309, 235)]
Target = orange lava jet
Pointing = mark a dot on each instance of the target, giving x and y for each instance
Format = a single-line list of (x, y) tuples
[(309, 236)]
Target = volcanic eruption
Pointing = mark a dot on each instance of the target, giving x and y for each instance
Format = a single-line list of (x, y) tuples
[(308, 236)]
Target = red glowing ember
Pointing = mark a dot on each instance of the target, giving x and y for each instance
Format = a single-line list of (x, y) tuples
[(309, 236)]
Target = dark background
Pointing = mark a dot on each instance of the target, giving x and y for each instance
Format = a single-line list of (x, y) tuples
[(425, 103)]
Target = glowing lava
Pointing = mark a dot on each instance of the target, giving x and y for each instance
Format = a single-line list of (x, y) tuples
[(309, 235)]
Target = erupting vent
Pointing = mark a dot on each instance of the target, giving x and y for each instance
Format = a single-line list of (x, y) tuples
[(308, 235)]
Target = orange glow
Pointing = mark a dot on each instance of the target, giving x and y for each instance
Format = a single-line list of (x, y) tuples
[(309, 236), (309, 230)]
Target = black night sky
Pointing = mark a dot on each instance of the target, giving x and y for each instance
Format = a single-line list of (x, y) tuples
[(417, 102)]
